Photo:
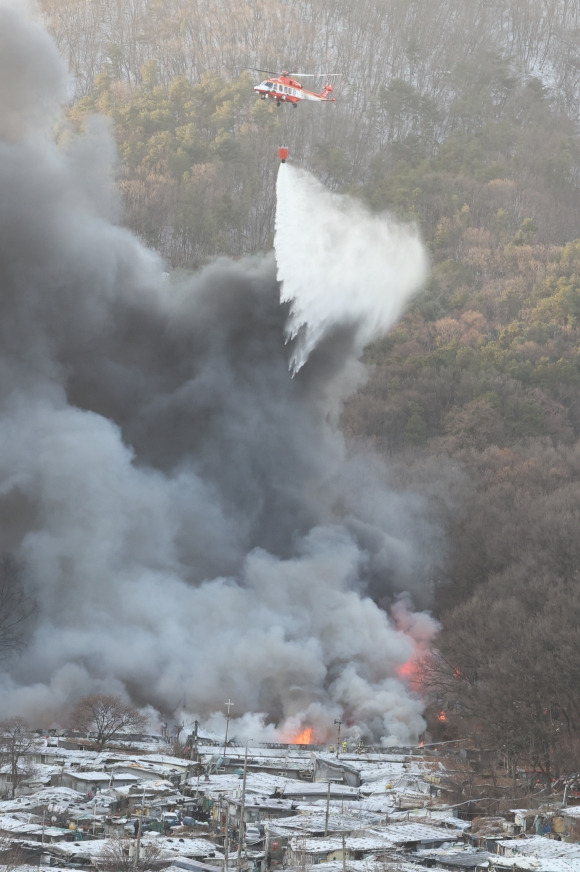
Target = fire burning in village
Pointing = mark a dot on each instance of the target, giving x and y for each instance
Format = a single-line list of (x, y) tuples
[(306, 736), (229, 537)]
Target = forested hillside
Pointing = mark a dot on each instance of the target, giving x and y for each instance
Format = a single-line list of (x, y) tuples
[(446, 112), (461, 117)]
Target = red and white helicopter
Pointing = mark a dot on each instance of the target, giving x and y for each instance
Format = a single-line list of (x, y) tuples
[(283, 88)]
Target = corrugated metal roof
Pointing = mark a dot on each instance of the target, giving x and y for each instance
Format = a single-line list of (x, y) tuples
[(539, 846)]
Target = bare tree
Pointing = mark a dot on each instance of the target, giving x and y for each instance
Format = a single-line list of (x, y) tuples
[(16, 741), (15, 606), (107, 716), (13, 858), (125, 855)]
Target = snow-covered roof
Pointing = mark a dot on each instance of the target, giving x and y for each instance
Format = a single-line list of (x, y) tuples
[(396, 862), (94, 776), (287, 753), (58, 797), (257, 783), (461, 856), (171, 847), (391, 834), (317, 788), (359, 817), (23, 825), (165, 760), (534, 864), (315, 822), (71, 850), (539, 846), (190, 865), (402, 833), (437, 817), (177, 846), (351, 843), (373, 767), (378, 842), (380, 804)]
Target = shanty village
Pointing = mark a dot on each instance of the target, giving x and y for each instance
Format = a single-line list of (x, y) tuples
[(200, 804)]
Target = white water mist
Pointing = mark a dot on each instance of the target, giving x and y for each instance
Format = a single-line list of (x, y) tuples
[(339, 263)]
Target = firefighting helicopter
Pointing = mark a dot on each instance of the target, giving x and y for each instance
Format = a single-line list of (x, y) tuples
[(283, 88)]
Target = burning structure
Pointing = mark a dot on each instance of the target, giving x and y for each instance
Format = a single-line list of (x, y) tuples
[(186, 514)]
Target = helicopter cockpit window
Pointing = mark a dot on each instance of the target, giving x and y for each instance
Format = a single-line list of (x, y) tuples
[(267, 85)]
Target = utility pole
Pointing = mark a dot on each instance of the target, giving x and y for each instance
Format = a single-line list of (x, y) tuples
[(42, 840), (227, 837), (193, 749), (339, 722), (242, 828), (327, 809), (138, 842), (267, 860), (229, 704), (139, 831)]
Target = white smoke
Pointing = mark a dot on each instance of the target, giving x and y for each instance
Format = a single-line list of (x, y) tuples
[(190, 523), (338, 264)]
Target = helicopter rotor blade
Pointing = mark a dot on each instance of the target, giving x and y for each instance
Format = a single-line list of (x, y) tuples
[(277, 73), (283, 73)]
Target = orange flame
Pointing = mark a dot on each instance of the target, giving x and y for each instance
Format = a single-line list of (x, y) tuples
[(442, 717), (304, 737), (411, 673)]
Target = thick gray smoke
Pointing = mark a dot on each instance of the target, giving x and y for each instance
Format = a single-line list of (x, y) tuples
[(189, 519)]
